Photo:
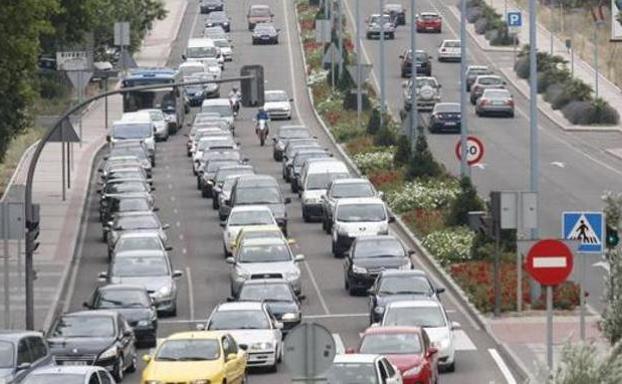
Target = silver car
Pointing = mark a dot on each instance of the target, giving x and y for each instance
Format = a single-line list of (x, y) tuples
[(135, 221), (374, 27), (428, 91), (343, 189), (484, 82), (268, 258), (495, 102)]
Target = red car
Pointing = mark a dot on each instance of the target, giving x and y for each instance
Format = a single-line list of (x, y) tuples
[(407, 348), (429, 22)]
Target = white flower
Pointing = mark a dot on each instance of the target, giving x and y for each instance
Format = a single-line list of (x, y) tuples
[(432, 194), (374, 160), (450, 245)]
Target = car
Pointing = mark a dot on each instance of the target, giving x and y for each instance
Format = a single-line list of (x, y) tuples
[(399, 285), (205, 178), (397, 12), (375, 29), (216, 33), (362, 369), (429, 22), (126, 202), (278, 294), (226, 48), (195, 94), (124, 161), (133, 148), (495, 102), (139, 241), (258, 13), (196, 357), (120, 187), (408, 348), (265, 33), (422, 61), (295, 144), (445, 117), (134, 303), (253, 327), (135, 222), (285, 133), (160, 123), (135, 127), (360, 216), (427, 90), (449, 50), (370, 255), (264, 258), (483, 82), (218, 18), (130, 172), (70, 374), (258, 232), (292, 166), (22, 352), (244, 216), (151, 269), (343, 189), (278, 105), (315, 177), (99, 337), (473, 71), (263, 190), (208, 6), (222, 107), (222, 192), (429, 314), (207, 143)]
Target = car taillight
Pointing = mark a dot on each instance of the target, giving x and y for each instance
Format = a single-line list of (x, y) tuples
[(483, 101), (510, 102)]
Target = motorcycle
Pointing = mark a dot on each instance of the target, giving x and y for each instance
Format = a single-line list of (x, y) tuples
[(234, 100), (262, 131)]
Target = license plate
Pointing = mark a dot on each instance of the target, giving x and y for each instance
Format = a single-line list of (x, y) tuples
[(429, 27), (497, 103), (450, 123), (74, 363)]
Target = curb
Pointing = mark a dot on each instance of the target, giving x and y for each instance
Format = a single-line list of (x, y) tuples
[(481, 41), (444, 276)]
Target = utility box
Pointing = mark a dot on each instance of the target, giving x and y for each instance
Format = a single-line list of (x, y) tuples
[(252, 89)]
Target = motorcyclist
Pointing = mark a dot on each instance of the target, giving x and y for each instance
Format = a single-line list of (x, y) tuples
[(234, 99), (262, 115)]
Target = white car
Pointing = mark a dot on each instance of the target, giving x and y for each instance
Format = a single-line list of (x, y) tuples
[(226, 48), (244, 216), (159, 122), (86, 374), (449, 50), (278, 105), (428, 314), (253, 327), (362, 368), (221, 106)]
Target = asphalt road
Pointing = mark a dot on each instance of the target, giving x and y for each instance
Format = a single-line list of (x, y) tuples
[(574, 168), (196, 235)]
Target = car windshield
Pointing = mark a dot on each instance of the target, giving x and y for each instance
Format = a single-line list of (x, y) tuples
[(127, 205), (127, 186), (422, 82), (404, 285), (201, 52), (489, 80), (84, 326), (258, 217), (6, 354), (264, 29), (391, 344), (321, 180), (261, 234), (352, 190), (238, 319), (137, 222), (211, 142), (367, 248), (260, 12), (213, 166), (361, 212), (139, 266), (300, 159), (478, 71), (265, 253), (224, 173), (221, 43), (266, 292), (188, 350), (118, 298), (451, 44), (258, 195), (131, 131), (56, 378), (156, 115), (136, 151), (447, 108), (375, 19), (294, 133), (276, 96), (428, 17), (127, 174), (430, 317), (222, 110), (147, 243), (352, 373)]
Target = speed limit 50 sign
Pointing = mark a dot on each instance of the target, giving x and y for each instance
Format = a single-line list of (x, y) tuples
[(474, 150)]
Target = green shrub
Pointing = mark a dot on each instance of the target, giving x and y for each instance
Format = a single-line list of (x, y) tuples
[(553, 91), (473, 14), (597, 112), (53, 85), (373, 161), (349, 101), (373, 125), (522, 67), (344, 132), (434, 194), (481, 26), (422, 163), (572, 90), (466, 201), (385, 136), (403, 152)]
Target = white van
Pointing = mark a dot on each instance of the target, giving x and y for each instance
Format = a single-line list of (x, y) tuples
[(221, 106), (315, 177), (137, 126), (199, 49)]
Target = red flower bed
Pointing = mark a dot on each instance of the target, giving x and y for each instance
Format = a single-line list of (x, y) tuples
[(307, 25), (386, 179), (424, 221), (310, 46)]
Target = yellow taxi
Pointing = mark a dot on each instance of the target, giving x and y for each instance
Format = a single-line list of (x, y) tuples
[(204, 357), (258, 232)]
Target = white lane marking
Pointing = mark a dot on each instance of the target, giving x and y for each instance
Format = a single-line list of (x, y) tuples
[(173, 198), (549, 262), (335, 316), (190, 293), (181, 237), (505, 371), (170, 186), (339, 347), (558, 164), (462, 341), (184, 251), (291, 57), (175, 211), (178, 224), (317, 289)]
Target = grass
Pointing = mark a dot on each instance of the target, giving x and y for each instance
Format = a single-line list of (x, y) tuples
[(14, 153)]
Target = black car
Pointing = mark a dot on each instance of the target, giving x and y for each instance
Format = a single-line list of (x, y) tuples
[(445, 117), (205, 180), (218, 18), (125, 202), (134, 303), (285, 133), (101, 337), (423, 62), (392, 285), (292, 167), (280, 297), (265, 33), (135, 172), (195, 94), (208, 6), (368, 256)]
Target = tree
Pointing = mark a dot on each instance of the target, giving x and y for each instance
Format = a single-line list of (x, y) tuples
[(422, 163), (466, 201), (612, 315), (22, 23), (582, 363)]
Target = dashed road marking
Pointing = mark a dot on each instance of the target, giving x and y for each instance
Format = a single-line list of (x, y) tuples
[(502, 366), (339, 347), (317, 289), (190, 293)]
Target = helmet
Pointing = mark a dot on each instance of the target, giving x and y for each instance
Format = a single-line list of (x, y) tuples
[(261, 109), (234, 89)]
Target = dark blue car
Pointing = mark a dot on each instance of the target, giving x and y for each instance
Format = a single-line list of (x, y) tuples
[(445, 118)]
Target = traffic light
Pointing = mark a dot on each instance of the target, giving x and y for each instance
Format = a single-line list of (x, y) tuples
[(612, 237), (252, 89)]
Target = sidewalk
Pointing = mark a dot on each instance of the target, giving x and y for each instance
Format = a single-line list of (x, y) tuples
[(61, 220)]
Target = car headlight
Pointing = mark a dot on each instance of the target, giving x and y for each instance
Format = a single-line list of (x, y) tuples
[(109, 353), (243, 274), (153, 382), (414, 371), (290, 317), (164, 291), (379, 310), (293, 274), (200, 381), (261, 346), (341, 231), (357, 269), (143, 323)]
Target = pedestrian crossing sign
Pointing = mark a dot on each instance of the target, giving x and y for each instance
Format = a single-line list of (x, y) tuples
[(586, 227)]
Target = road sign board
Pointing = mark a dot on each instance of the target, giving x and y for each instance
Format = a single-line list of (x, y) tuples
[(331, 56), (73, 60), (514, 19), (323, 29), (122, 33), (365, 71), (66, 133), (309, 350), (549, 262), (475, 150), (12, 214), (80, 79), (586, 227)]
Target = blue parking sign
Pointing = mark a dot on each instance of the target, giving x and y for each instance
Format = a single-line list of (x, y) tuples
[(514, 19)]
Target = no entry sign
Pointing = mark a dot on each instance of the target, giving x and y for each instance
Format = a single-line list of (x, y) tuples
[(475, 150), (549, 262)]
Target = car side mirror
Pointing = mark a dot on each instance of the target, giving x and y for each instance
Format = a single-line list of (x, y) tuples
[(440, 290), (230, 260), (168, 247), (86, 305), (455, 325), (391, 219), (291, 100), (153, 189), (100, 170), (291, 241), (183, 57), (223, 224), (23, 366), (108, 139), (177, 274), (146, 358), (156, 209), (411, 252), (243, 347), (274, 139), (166, 226), (288, 200), (230, 299), (302, 297), (103, 276), (187, 135), (431, 351), (278, 325), (401, 56), (299, 258), (201, 327), (128, 332), (350, 350)]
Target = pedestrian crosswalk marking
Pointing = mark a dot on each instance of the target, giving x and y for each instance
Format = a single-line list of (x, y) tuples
[(583, 231)]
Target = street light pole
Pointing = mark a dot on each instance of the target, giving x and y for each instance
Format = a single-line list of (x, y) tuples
[(596, 25), (359, 96), (414, 123), (464, 168), (382, 82)]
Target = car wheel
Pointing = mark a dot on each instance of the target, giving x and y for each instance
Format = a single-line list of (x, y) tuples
[(473, 101), (511, 114), (133, 365), (451, 367), (198, 183), (224, 250), (215, 204), (346, 284), (204, 193), (305, 217), (334, 250), (294, 186), (173, 311), (153, 162), (351, 290), (478, 113), (118, 369)]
